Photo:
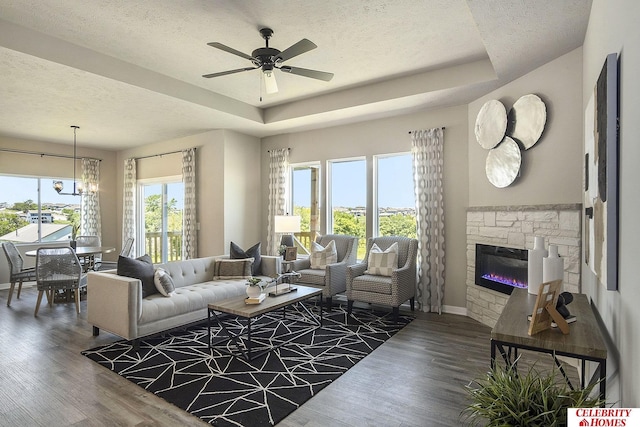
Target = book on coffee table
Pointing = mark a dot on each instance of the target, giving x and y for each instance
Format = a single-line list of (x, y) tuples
[(256, 300)]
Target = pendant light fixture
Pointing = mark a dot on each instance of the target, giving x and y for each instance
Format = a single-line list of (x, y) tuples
[(77, 188)]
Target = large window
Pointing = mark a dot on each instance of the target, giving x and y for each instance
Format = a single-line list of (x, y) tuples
[(162, 206), (305, 182), (347, 207), (32, 211), (394, 209)]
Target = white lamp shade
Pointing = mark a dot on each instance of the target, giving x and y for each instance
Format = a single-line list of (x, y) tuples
[(287, 224)]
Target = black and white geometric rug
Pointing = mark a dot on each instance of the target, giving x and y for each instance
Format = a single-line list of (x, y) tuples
[(223, 390)]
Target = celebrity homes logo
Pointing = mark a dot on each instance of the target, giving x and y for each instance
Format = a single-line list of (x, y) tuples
[(603, 417)]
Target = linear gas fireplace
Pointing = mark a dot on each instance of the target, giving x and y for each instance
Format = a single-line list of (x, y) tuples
[(500, 268)]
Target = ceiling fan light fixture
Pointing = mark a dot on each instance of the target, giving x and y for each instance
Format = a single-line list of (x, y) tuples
[(270, 84)]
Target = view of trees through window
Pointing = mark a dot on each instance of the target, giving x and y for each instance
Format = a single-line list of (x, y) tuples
[(394, 202), (32, 211), (163, 209)]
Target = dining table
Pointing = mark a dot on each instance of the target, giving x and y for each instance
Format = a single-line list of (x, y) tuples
[(84, 253)]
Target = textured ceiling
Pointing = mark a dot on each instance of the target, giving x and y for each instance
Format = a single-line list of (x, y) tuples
[(129, 72)]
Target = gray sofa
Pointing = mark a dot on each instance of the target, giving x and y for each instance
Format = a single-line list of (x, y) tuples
[(115, 303)]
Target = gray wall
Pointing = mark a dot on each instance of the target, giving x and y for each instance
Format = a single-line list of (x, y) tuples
[(551, 169), (613, 28)]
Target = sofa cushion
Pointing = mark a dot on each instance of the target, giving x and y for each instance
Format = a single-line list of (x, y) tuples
[(138, 268), (232, 268), (236, 252), (164, 282), (321, 256), (382, 263)]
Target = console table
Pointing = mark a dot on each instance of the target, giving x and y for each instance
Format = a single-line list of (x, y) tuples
[(584, 341)]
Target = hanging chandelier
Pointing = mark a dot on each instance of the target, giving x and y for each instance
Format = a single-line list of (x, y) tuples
[(77, 188)]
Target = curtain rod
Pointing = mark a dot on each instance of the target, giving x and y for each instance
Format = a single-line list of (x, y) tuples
[(35, 153), (443, 128), (288, 149), (162, 154)]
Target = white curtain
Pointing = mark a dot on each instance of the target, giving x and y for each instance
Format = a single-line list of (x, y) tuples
[(427, 147), (189, 220), (90, 224), (278, 177), (129, 203)]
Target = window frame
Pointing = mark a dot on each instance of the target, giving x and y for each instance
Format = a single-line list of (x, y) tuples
[(375, 210), (329, 193)]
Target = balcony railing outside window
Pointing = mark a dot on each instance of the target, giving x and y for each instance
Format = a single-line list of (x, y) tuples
[(153, 246)]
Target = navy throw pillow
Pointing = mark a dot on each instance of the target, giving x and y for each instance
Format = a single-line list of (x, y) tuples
[(236, 252), (139, 268)]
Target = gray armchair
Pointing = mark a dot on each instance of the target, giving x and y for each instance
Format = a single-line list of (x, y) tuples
[(331, 280), (385, 290)]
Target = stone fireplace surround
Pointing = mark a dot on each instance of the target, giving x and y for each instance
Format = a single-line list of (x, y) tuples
[(516, 227)]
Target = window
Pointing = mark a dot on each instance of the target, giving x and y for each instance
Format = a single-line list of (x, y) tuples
[(162, 206), (347, 207), (32, 211), (394, 211), (305, 182)]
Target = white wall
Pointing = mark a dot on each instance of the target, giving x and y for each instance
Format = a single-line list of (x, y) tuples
[(613, 28), (551, 170), (391, 136)]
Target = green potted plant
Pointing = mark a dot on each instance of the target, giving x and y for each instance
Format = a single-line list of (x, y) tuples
[(507, 398)]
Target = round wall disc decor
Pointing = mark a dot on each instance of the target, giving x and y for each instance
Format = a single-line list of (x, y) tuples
[(491, 124), (503, 163), (529, 116)]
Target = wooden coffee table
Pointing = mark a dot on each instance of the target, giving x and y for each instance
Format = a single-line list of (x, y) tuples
[(238, 307)]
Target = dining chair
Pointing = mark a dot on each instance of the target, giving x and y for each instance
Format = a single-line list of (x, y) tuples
[(58, 268), (125, 252), (90, 262), (17, 272)]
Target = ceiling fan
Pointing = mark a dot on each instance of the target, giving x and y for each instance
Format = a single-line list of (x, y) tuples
[(269, 59)]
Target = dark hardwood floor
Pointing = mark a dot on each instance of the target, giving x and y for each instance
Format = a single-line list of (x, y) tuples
[(417, 378)]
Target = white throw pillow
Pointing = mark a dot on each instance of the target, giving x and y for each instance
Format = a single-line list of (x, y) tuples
[(322, 256), (382, 263), (163, 282)]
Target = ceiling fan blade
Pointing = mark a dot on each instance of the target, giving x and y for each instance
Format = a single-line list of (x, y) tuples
[(299, 48), (320, 75), (270, 84), (224, 73), (230, 50)]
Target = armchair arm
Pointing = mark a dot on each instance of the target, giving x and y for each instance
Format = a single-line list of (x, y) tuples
[(354, 271), (404, 279), (114, 303), (336, 278)]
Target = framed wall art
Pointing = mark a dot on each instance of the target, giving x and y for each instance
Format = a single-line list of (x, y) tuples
[(601, 176)]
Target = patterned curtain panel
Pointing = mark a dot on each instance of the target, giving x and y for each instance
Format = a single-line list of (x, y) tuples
[(278, 175), (129, 203), (189, 224), (427, 153), (90, 204)]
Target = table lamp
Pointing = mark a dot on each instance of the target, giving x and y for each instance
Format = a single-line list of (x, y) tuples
[(287, 225)]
